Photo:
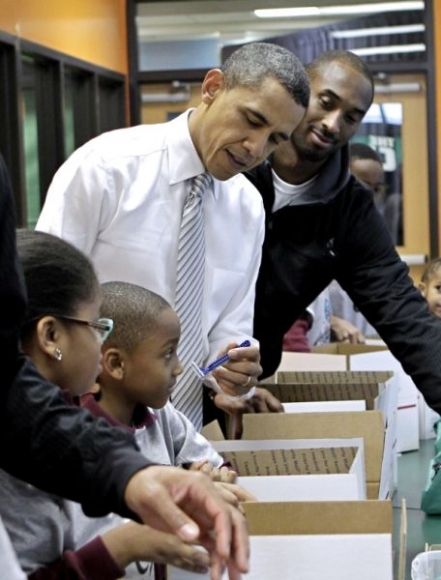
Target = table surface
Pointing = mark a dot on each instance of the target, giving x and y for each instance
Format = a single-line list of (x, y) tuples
[(413, 469)]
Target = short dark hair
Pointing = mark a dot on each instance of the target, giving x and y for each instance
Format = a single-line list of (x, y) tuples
[(363, 151), (134, 311), (344, 57), (252, 63), (58, 276), (430, 270)]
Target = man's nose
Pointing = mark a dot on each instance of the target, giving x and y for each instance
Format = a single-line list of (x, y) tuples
[(257, 145), (332, 121)]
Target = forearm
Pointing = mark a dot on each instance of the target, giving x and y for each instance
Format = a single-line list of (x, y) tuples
[(67, 451), (91, 561)]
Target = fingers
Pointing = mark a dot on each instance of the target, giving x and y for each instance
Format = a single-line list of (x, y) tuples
[(188, 504), (197, 465), (265, 402), (150, 494), (240, 373), (240, 492), (227, 493), (223, 474), (191, 558)]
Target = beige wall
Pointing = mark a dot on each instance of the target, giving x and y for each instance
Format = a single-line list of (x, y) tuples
[(91, 30), (157, 112)]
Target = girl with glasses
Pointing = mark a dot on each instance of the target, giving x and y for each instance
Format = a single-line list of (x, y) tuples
[(63, 335)]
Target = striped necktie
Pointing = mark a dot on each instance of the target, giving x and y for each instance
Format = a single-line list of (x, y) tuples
[(187, 397)]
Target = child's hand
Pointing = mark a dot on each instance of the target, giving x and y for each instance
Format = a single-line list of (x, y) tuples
[(234, 493), (221, 474), (133, 542)]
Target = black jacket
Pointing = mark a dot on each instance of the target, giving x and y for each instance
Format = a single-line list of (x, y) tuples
[(340, 235), (57, 447)]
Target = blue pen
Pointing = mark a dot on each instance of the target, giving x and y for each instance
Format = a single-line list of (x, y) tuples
[(204, 371)]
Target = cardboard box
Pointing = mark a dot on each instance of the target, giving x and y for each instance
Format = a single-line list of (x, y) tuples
[(324, 406), (414, 418), (377, 388), (369, 425), (298, 470), (315, 540), (346, 349), (408, 435)]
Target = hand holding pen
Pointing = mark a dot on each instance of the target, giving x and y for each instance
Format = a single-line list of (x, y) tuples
[(238, 372)]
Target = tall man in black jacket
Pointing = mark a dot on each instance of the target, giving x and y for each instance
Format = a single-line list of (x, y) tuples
[(321, 224)]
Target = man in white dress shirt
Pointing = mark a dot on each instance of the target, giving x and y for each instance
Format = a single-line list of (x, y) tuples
[(119, 198)]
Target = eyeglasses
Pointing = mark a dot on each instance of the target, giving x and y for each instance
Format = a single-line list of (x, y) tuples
[(103, 326)]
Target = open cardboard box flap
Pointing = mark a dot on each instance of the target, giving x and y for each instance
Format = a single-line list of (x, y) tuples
[(311, 540), (323, 517), (298, 469), (308, 392), (366, 424)]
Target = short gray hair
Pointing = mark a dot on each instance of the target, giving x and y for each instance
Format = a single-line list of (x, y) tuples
[(254, 62)]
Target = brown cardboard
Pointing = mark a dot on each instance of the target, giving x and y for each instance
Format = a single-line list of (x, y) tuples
[(292, 461), (372, 489), (346, 349), (322, 391), (366, 424), (333, 377), (343, 540), (212, 431), (328, 517)]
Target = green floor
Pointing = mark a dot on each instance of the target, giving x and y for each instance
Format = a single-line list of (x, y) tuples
[(421, 529)]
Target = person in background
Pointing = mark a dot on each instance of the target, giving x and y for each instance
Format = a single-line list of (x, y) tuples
[(318, 325), (430, 286), (63, 335), (322, 224), (120, 199), (366, 164), (63, 450)]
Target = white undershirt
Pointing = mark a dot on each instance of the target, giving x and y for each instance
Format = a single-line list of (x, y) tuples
[(287, 193)]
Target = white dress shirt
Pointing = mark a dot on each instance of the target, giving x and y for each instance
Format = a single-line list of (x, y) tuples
[(119, 198), (9, 565)]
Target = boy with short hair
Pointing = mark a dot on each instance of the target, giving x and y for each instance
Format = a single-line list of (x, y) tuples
[(139, 371)]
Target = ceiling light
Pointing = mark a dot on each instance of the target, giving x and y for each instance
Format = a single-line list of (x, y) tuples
[(405, 29), (339, 10), (389, 49)]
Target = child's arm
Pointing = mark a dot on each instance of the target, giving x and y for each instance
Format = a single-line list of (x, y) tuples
[(91, 561), (107, 556)]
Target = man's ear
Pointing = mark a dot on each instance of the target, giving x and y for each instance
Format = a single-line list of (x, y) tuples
[(113, 363), (213, 83)]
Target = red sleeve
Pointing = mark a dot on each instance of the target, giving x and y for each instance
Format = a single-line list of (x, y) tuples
[(91, 561), (296, 339)]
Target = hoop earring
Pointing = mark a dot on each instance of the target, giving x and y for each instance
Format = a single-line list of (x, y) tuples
[(58, 354)]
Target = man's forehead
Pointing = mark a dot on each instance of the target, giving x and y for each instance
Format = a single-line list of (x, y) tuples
[(337, 77)]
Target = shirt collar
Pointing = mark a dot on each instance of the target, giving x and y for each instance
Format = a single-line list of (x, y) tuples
[(184, 161), (142, 417)]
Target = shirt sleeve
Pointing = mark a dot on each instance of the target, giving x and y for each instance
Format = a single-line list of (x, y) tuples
[(91, 561), (378, 283), (189, 445)]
